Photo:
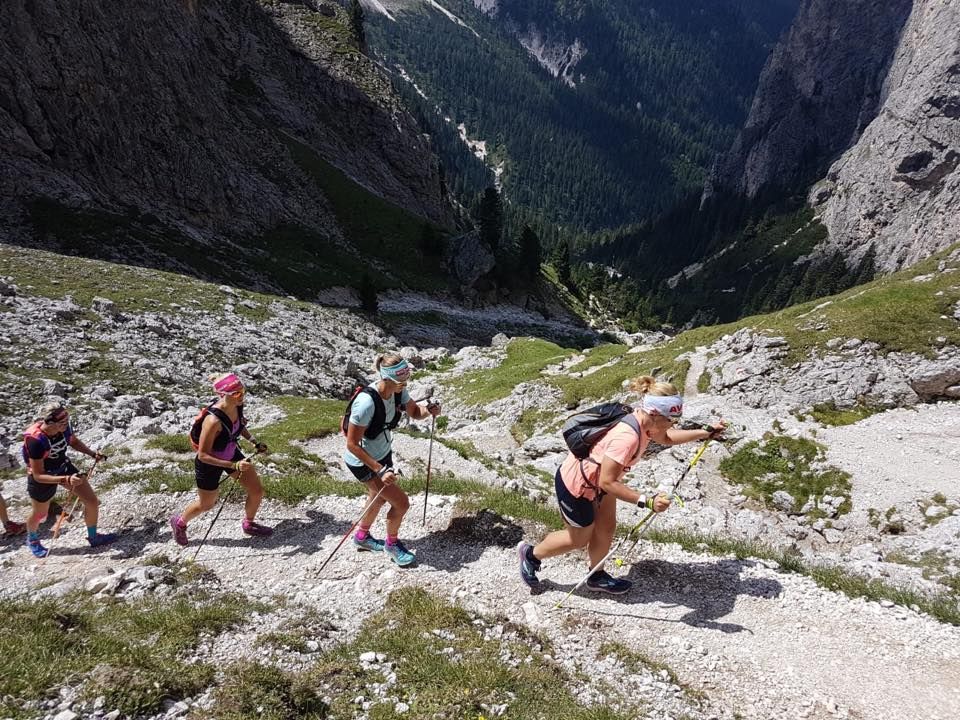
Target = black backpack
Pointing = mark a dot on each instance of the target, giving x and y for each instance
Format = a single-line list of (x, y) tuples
[(379, 422), (585, 429), (226, 431)]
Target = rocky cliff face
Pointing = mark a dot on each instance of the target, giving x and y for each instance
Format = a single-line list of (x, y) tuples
[(818, 91), (205, 116), (898, 187)]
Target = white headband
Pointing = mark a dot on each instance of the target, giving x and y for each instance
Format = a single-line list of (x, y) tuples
[(666, 405)]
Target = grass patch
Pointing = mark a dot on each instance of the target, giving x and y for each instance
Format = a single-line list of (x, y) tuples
[(524, 361), (599, 355), (829, 414), (529, 421), (253, 690), (373, 225), (896, 312), (129, 652), (446, 662), (784, 463), (179, 443), (306, 419), (440, 365), (607, 382), (703, 382), (937, 500)]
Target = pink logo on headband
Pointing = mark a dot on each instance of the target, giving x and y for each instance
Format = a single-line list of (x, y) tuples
[(228, 384)]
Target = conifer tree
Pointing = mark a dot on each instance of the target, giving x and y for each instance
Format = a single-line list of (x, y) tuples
[(489, 216), (357, 25), (368, 295), (529, 253), (560, 259)]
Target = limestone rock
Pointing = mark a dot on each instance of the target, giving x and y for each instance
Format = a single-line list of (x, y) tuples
[(820, 87)]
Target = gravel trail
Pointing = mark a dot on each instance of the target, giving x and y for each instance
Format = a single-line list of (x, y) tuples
[(757, 642)]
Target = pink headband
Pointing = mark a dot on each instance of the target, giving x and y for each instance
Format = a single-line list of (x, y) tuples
[(227, 385)]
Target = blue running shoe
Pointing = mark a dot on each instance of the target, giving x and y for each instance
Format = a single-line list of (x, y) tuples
[(399, 554), (38, 550), (102, 539), (529, 565), (600, 581), (368, 543)]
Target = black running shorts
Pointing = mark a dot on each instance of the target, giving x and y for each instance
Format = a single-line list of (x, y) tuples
[(208, 476), (44, 492), (365, 474)]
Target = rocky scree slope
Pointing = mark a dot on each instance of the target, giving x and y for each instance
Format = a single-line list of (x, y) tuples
[(199, 135), (698, 636), (875, 497)]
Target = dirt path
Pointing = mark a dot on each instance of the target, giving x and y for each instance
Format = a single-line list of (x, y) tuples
[(885, 453), (759, 643), (698, 361)]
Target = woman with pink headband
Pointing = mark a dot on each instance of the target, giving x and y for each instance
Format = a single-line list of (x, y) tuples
[(582, 485), (214, 435), (372, 415)]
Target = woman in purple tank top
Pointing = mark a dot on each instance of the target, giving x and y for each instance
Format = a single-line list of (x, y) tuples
[(214, 435)]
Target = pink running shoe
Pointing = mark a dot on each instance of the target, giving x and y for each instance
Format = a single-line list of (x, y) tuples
[(254, 528), (179, 530)]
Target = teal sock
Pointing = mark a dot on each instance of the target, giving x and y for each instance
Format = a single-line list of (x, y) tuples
[(34, 536), (91, 531)]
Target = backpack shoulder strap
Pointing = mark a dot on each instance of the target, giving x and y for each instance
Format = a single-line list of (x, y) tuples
[(631, 420), (377, 423), (222, 417), (397, 410)]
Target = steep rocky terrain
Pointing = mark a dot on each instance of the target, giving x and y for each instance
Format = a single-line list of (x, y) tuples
[(199, 134), (898, 188), (862, 96), (820, 88), (812, 570)]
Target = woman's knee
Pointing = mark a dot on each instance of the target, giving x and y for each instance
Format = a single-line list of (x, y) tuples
[(400, 503), (580, 537)]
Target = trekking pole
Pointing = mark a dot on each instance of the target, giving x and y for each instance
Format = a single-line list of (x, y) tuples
[(64, 515), (673, 492), (639, 529), (352, 528), (426, 489), (223, 502)]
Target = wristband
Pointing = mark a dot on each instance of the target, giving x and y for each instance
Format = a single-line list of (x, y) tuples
[(645, 502), (382, 471)]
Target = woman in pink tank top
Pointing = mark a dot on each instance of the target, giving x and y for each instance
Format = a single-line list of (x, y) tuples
[(582, 485)]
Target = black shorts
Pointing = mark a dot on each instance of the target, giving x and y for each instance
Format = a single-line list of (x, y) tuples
[(208, 476), (365, 474), (44, 492), (577, 512)]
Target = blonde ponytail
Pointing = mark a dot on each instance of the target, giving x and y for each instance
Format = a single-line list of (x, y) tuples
[(648, 385)]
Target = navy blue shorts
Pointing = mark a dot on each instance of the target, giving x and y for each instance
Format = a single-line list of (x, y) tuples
[(365, 474), (577, 512)]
